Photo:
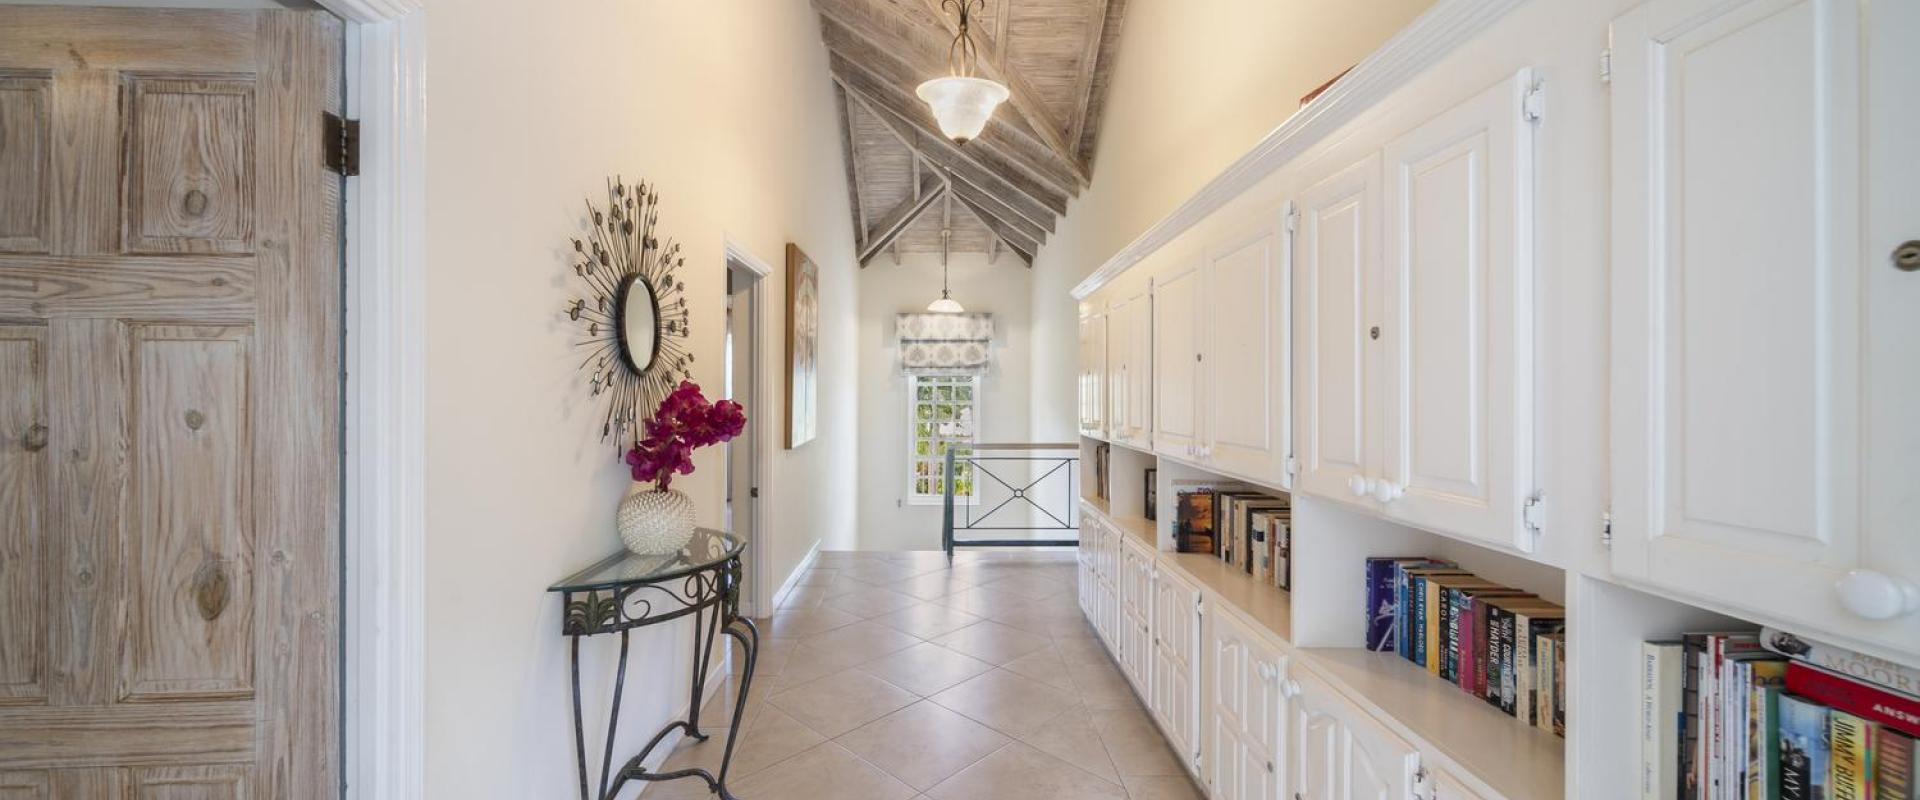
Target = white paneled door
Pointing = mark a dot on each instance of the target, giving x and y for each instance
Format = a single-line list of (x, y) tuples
[(1343, 753), (1246, 758), (1766, 340), (1176, 655), (1247, 401), (1336, 248), (1457, 386)]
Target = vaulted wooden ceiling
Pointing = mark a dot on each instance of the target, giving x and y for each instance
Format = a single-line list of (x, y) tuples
[(914, 190)]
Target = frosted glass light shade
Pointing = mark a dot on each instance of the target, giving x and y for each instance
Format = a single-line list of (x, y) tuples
[(945, 305), (962, 105)]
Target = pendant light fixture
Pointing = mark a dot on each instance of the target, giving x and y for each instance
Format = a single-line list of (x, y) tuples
[(961, 102), (946, 304)]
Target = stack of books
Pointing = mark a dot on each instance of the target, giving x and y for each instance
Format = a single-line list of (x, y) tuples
[(1772, 716), (1494, 642), (1247, 529)]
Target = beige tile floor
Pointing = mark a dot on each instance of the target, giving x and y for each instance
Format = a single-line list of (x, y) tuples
[(896, 676)]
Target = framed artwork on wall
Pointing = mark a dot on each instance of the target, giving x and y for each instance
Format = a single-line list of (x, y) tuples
[(803, 347)]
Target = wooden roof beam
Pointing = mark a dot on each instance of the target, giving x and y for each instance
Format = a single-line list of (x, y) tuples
[(1083, 81), (850, 149), (1017, 233), (901, 218)]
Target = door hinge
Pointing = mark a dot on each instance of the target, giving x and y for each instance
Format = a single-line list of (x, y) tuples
[(1533, 104), (1606, 529), (1606, 65), (1293, 216), (341, 140), (1533, 514), (1292, 467), (754, 492)]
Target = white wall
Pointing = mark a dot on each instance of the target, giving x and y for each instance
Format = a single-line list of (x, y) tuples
[(887, 520), (727, 107), (1194, 85)]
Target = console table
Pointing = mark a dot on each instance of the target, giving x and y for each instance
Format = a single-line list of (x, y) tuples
[(626, 591)]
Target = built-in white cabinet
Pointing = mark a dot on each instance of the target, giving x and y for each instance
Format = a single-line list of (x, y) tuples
[(1414, 267), (1092, 381), (1130, 369), (1136, 614), (1339, 751), (1448, 787), (1177, 361), (1766, 340), (1175, 696), (1246, 714), (1247, 401)]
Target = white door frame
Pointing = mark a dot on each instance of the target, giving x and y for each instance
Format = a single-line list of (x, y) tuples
[(384, 627), (759, 563)]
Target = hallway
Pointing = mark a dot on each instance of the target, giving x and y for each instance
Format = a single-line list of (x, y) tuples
[(895, 675)]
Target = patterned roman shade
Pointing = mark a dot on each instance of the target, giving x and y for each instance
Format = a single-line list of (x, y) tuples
[(945, 344)]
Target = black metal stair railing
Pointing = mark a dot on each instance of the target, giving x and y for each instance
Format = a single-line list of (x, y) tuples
[(1039, 484)]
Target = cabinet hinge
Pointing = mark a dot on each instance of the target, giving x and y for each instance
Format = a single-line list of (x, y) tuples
[(1293, 216), (1533, 513), (341, 140), (1292, 467), (1533, 104), (1606, 529), (1606, 65)]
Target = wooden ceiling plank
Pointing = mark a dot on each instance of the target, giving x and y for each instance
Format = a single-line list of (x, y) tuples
[(1083, 80), (1025, 249), (997, 216), (1101, 75), (942, 153), (859, 41), (1023, 100), (899, 220), (851, 150)]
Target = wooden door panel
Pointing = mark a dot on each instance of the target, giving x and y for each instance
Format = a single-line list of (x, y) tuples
[(26, 161), (189, 624), (189, 146), (1176, 358), (185, 305), (24, 540), (1336, 239), (1458, 386), (1244, 318)]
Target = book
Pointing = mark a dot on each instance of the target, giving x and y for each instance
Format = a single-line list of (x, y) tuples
[(1512, 623), (1415, 608), (1383, 601), (1282, 538), (1804, 757), (1447, 592), (1471, 618), (1693, 651), (1559, 683), (1859, 666), (1150, 491), (1660, 664), (1249, 542), (1766, 678), (1548, 669), (1849, 739), (1193, 530), (1403, 602), (1860, 698), (1893, 766)]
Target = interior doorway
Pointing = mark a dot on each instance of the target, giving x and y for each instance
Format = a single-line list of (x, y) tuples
[(746, 467)]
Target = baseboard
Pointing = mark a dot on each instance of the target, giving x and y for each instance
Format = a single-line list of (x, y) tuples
[(716, 681), (793, 578)]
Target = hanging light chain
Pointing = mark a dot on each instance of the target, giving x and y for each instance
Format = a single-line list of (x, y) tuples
[(962, 55)]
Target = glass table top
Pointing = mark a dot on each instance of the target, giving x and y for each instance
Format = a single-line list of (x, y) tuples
[(706, 549)]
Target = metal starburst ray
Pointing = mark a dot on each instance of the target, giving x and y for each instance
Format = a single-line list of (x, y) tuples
[(621, 248)]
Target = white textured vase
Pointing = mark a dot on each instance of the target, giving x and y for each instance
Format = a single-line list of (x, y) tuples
[(654, 522)]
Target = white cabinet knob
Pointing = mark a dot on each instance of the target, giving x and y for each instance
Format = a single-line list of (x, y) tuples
[(1359, 485), (1877, 595), (1386, 491), (1290, 689)]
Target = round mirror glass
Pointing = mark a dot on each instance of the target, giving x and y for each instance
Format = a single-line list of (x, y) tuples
[(639, 324)]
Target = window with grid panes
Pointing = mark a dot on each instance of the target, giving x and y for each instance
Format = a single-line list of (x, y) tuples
[(943, 415)]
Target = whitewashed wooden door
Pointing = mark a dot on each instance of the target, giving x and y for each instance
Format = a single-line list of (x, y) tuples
[(1177, 366), (1349, 756), (1136, 617), (1247, 715), (1316, 738), (1336, 257), (169, 404), (1764, 342), (1457, 387), (1130, 331), (1246, 319)]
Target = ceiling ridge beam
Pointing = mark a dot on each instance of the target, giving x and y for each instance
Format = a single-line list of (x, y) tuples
[(1031, 203), (1013, 144), (1023, 98)]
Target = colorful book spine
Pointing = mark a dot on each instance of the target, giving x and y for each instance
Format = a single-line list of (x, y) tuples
[(1691, 742), (1383, 603), (1660, 664), (1804, 755), (1765, 680), (1860, 698), (1430, 618), (1560, 684), (1465, 660), (1849, 739), (1893, 766)]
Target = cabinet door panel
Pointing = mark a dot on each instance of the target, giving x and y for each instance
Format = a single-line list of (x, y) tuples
[(1246, 319), (1316, 741), (1093, 375), (1140, 370), (1336, 249), (1176, 639), (1177, 368), (1749, 227), (1457, 384)]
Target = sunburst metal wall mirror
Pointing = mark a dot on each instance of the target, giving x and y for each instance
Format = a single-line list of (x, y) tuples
[(631, 309)]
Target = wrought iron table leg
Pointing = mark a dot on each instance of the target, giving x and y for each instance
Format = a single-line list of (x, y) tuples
[(750, 642), (613, 719), (579, 723)]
